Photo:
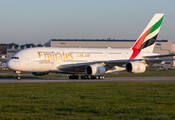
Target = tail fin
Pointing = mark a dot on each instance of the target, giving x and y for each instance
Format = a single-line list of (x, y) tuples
[(147, 39)]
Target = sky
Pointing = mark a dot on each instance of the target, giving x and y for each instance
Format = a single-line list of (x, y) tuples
[(38, 21)]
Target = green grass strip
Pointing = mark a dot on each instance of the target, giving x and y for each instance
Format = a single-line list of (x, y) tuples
[(88, 101)]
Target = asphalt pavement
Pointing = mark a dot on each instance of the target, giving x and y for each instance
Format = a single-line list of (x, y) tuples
[(107, 79)]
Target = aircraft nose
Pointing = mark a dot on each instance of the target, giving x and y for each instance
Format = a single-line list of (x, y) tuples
[(10, 65)]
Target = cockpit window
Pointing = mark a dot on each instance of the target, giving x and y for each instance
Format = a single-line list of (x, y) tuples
[(14, 58)]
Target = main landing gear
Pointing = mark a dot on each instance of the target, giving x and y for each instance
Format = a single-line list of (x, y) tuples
[(86, 77), (18, 75), (92, 77), (73, 77)]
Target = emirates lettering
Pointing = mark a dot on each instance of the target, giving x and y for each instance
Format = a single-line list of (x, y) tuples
[(55, 56)]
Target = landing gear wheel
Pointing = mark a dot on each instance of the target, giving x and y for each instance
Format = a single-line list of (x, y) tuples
[(74, 77), (70, 77), (92, 77), (77, 77), (82, 77), (96, 77), (85, 77), (18, 77), (89, 77), (101, 77)]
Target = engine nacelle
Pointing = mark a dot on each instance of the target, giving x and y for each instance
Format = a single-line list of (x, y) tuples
[(95, 70), (40, 73), (135, 67)]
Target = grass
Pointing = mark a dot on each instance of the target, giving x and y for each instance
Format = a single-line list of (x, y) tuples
[(88, 101)]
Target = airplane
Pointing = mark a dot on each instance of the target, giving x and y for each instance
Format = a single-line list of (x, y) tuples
[(93, 63)]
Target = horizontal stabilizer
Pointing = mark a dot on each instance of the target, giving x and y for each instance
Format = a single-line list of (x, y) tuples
[(158, 56)]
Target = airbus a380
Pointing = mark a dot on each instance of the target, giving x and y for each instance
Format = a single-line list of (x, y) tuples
[(92, 62)]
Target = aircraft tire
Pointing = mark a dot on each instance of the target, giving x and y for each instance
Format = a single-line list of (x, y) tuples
[(85, 77), (77, 77), (82, 77), (101, 77), (18, 77), (89, 77), (73, 77), (92, 77), (96, 77)]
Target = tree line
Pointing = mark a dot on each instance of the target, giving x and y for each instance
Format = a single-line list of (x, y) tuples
[(3, 46)]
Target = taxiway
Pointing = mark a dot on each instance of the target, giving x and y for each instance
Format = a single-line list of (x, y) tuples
[(107, 79)]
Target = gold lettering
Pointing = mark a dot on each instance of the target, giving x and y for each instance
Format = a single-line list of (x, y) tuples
[(48, 56), (53, 56), (69, 56), (88, 55), (56, 56), (63, 55), (60, 56), (81, 55), (39, 54)]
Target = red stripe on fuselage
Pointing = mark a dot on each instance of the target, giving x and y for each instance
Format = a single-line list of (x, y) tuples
[(134, 54), (138, 44)]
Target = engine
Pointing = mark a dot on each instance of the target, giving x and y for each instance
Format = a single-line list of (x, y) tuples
[(95, 70), (40, 73), (135, 67)]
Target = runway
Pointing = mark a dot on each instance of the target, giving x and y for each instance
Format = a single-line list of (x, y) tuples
[(107, 79)]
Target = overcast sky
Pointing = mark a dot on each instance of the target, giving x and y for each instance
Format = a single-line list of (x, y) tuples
[(37, 21)]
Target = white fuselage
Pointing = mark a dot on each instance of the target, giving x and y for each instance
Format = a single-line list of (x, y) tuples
[(43, 59)]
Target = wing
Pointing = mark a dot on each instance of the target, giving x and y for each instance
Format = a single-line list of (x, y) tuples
[(80, 67), (76, 67), (121, 63), (158, 56)]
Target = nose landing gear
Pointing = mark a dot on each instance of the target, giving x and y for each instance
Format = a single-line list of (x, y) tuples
[(18, 75)]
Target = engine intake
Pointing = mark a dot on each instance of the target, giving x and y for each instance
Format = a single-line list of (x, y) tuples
[(135, 67), (95, 70), (40, 73)]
